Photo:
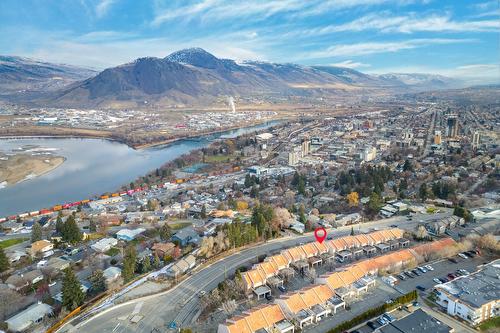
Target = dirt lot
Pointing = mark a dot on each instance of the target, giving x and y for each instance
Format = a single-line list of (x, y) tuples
[(17, 168)]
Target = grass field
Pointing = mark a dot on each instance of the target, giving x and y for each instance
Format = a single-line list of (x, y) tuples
[(9, 242), (490, 324), (179, 225)]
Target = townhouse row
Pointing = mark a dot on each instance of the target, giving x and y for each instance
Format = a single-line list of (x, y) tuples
[(274, 268), (329, 293)]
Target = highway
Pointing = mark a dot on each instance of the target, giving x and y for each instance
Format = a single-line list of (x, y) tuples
[(181, 304)]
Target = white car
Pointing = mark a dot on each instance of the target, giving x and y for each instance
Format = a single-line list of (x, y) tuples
[(436, 280), (429, 267), (461, 255), (53, 283)]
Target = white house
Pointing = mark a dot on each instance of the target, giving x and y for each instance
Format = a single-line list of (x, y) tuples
[(27, 318), (104, 244)]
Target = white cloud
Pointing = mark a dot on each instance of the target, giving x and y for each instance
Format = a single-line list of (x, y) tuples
[(407, 24), (106, 48), (343, 50), (103, 6), (256, 10), (350, 64)]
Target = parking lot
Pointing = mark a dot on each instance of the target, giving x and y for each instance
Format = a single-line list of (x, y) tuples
[(384, 292)]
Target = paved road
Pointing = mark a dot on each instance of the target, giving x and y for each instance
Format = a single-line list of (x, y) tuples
[(181, 303)]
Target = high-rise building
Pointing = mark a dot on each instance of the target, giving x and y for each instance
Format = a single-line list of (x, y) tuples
[(476, 139), (293, 158), (437, 137), (452, 126), (306, 148)]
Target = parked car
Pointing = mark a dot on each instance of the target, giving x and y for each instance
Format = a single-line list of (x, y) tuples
[(382, 321), (53, 283), (421, 288), (429, 268), (443, 280), (401, 277), (461, 255), (282, 289), (269, 297), (371, 325), (423, 270), (453, 260), (451, 276), (388, 317), (409, 274), (471, 254), (464, 272), (416, 272), (202, 293), (436, 280)]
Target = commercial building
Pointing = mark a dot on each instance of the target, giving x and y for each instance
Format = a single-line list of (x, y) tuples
[(452, 126), (476, 139), (437, 138), (417, 321), (475, 297)]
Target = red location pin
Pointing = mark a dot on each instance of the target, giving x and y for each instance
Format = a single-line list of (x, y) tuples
[(320, 234)]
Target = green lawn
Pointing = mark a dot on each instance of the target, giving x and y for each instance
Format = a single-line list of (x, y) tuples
[(9, 242), (179, 225), (112, 251), (491, 323)]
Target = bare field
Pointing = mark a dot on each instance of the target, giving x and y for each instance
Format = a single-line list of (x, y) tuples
[(21, 167)]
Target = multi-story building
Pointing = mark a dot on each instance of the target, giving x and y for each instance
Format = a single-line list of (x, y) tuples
[(452, 126), (476, 139), (475, 297), (437, 138)]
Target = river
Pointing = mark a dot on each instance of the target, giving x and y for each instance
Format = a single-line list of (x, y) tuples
[(93, 167)]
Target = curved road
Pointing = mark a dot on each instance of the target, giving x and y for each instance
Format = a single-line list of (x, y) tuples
[(181, 303)]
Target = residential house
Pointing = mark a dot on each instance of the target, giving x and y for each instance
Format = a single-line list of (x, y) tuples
[(16, 282), (186, 236), (111, 274), (163, 249), (27, 318), (263, 318), (41, 246), (104, 244), (33, 276), (129, 234)]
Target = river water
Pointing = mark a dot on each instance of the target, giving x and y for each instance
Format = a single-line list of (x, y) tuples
[(93, 167)]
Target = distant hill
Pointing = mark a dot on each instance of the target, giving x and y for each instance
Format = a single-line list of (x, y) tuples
[(194, 77), (421, 81), (18, 74)]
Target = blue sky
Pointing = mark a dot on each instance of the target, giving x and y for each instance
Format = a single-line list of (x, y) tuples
[(451, 37)]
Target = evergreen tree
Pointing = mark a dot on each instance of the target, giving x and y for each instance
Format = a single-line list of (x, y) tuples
[(36, 232), (156, 261), (98, 281), (203, 212), (165, 232), (4, 261), (352, 231), (129, 262), (59, 225), (72, 294), (422, 192), (93, 226), (71, 233), (146, 265)]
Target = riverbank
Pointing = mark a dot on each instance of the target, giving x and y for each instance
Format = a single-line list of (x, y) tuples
[(18, 168), (91, 134)]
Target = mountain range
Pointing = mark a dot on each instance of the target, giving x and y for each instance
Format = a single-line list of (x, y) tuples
[(194, 77)]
